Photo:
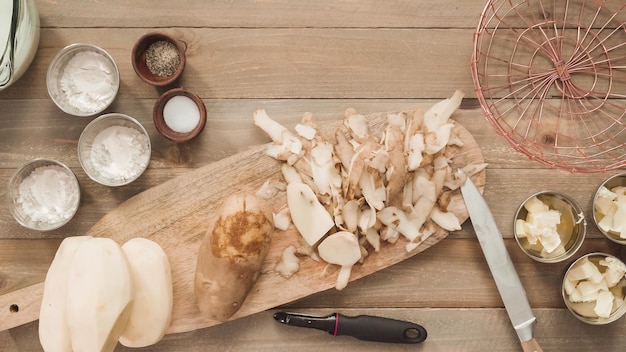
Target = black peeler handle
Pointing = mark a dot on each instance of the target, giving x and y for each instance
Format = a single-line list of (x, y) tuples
[(373, 328)]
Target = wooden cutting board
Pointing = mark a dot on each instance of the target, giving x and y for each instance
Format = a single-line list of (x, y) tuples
[(175, 214)]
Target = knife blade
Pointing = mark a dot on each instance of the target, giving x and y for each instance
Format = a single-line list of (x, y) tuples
[(362, 327), (500, 264)]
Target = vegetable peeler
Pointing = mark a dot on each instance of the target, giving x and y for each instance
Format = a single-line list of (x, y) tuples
[(362, 327)]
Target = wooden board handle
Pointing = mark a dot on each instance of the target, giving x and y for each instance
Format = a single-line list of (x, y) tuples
[(21, 306)]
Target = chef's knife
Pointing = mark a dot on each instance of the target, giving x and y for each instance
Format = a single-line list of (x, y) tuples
[(363, 327), (501, 266)]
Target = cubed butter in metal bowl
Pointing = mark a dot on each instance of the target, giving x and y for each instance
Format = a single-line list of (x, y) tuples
[(609, 208), (83, 79), (43, 195), (593, 288), (114, 149), (549, 227)]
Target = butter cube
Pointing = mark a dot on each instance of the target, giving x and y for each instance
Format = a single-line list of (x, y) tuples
[(577, 295), (606, 224), (532, 232), (619, 190), (520, 228), (534, 205), (605, 201), (585, 269), (569, 286), (559, 250), (603, 204), (588, 288), (606, 193), (604, 304), (619, 218), (615, 270), (547, 218), (550, 239)]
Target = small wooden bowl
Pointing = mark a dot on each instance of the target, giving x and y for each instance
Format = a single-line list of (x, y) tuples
[(159, 119), (139, 59)]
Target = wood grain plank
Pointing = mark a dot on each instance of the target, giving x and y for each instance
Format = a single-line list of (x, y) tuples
[(283, 63), (22, 261), (468, 330), (249, 13)]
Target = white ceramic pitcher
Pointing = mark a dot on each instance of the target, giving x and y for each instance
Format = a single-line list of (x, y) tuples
[(19, 39)]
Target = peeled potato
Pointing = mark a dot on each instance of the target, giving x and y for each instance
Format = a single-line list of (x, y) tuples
[(99, 295), (54, 334), (151, 311), (231, 255)]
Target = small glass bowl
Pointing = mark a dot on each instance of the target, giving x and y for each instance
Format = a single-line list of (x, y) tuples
[(56, 86), (159, 119), (114, 149), (49, 189), (572, 229), (139, 61), (578, 309), (618, 180)]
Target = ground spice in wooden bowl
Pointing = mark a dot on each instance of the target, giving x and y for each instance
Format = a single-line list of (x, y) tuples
[(158, 58), (162, 58)]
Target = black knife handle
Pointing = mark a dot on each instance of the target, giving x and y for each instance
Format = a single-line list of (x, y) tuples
[(372, 328)]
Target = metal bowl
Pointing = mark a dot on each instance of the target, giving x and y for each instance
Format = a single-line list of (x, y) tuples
[(584, 311), (572, 228), (114, 149), (43, 195), (611, 183), (84, 94)]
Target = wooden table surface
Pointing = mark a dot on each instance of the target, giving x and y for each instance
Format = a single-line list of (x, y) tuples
[(291, 57)]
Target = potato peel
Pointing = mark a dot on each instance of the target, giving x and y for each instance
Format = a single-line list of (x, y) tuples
[(397, 177)]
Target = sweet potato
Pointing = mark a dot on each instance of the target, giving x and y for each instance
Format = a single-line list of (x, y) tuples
[(231, 255)]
